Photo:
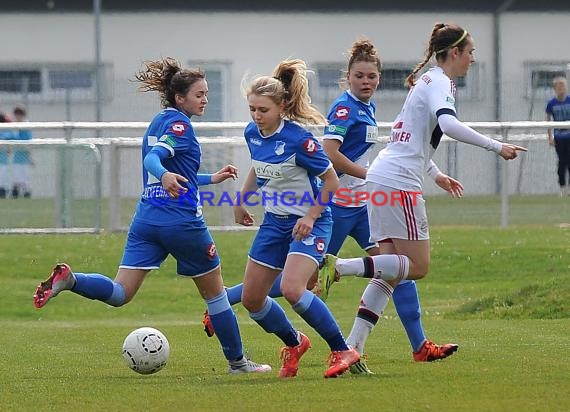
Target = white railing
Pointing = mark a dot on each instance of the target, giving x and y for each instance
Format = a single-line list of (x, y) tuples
[(230, 134)]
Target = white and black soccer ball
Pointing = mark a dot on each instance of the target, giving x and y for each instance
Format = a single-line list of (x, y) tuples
[(146, 350)]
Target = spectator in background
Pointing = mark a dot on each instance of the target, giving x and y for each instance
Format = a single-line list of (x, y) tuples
[(4, 158), (558, 109), (22, 169)]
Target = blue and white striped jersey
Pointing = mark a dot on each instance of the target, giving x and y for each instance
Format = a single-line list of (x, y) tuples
[(286, 164)]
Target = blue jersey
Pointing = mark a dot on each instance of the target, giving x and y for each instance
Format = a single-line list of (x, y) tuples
[(5, 135), (171, 129), (286, 164), (22, 156), (353, 123), (560, 111)]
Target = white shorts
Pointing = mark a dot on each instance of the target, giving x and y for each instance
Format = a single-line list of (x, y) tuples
[(394, 213), (22, 174)]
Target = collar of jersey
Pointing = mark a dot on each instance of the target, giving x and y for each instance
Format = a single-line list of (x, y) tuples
[(356, 98), (281, 126), (179, 111)]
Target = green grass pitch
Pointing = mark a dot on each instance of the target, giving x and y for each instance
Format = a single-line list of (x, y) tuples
[(501, 294)]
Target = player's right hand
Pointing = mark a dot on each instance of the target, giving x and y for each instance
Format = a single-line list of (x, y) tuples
[(510, 151)]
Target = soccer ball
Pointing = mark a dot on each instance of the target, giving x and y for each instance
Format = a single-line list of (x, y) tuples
[(146, 350)]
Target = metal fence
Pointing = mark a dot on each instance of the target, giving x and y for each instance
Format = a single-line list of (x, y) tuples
[(86, 176)]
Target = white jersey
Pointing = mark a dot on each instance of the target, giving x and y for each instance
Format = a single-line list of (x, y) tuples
[(415, 133)]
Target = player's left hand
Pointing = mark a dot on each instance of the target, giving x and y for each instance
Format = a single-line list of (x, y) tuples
[(450, 185), (170, 183), (303, 228), (226, 172)]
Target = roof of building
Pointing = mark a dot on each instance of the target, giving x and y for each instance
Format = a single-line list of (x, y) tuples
[(53, 6)]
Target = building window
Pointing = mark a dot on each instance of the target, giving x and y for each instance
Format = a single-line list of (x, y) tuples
[(53, 82), (218, 77), (392, 82), (394, 77), (325, 83), (539, 76), (71, 79), (20, 81)]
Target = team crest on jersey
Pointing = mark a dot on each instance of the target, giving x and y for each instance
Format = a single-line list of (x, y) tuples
[(342, 112), (178, 128), (309, 240), (310, 146), (211, 251), (279, 147)]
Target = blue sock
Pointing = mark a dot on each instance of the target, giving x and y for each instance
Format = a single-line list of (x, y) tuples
[(272, 319), (99, 287), (234, 292), (319, 317), (407, 304), (225, 324), (275, 291)]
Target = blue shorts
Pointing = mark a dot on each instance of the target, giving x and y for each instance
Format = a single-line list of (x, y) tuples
[(349, 221), (274, 240), (189, 243)]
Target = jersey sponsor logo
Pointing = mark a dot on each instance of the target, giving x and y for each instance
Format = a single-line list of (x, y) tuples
[(256, 142), (400, 136), (450, 99), (267, 170), (279, 147), (361, 113), (310, 146), (342, 112), (211, 251), (178, 128), (336, 129)]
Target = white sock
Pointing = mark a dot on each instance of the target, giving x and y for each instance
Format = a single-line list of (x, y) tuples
[(387, 267), (372, 304), (350, 267)]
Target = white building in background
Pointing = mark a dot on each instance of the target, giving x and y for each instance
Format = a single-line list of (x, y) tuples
[(48, 52), (48, 64)]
